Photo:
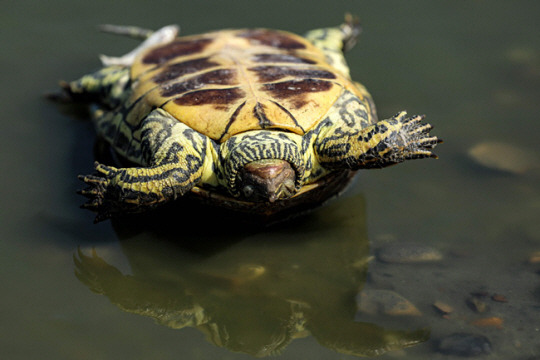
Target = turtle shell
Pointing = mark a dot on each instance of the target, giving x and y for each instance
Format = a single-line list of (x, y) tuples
[(227, 82)]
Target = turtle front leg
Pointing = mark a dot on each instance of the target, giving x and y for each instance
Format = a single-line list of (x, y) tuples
[(114, 191), (177, 157), (385, 143)]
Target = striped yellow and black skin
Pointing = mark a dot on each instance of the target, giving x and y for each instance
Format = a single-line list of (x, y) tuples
[(193, 112)]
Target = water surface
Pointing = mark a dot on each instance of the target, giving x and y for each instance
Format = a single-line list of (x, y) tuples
[(474, 69)]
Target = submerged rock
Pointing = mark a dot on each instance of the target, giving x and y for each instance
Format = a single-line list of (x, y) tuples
[(463, 344), (443, 308), (402, 253), (534, 258), (477, 304), (493, 321), (499, 298), (385, 302), (504, 157)]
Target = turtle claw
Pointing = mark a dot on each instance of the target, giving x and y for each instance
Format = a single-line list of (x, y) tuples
[(97, 191), (415, 134), (90, 205), (104, 169), (90, 179), (101, 217), (351, 29), (62, 96), (109, 195), (88, 192)]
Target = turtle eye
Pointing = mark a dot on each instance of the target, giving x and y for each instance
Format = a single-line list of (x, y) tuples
[(248, 191)]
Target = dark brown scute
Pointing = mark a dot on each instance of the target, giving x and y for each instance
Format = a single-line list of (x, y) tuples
[(272, 73), (212, 96), (284, 58), (272, 38), (295, 90), (216, 77), (174, 71), (174, 49)]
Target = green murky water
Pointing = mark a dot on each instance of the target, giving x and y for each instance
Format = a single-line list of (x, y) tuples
[(176, 289)]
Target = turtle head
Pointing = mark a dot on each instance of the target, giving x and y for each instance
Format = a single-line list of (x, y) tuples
[(263, 165), (267, 180)]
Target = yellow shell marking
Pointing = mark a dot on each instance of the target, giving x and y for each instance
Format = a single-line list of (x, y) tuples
[(228, 82)]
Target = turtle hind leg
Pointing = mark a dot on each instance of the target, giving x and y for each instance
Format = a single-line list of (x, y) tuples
[(107, 86), (162, 36), (339, 39), (134, 32), (334, 41), (351, 30)]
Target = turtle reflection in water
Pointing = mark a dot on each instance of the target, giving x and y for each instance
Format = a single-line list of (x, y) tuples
[(257, 294)]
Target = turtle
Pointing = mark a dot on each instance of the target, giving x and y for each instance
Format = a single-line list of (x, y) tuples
[(252, 119)]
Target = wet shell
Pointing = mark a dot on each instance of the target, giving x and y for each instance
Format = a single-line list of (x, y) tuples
[(228, 82)]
